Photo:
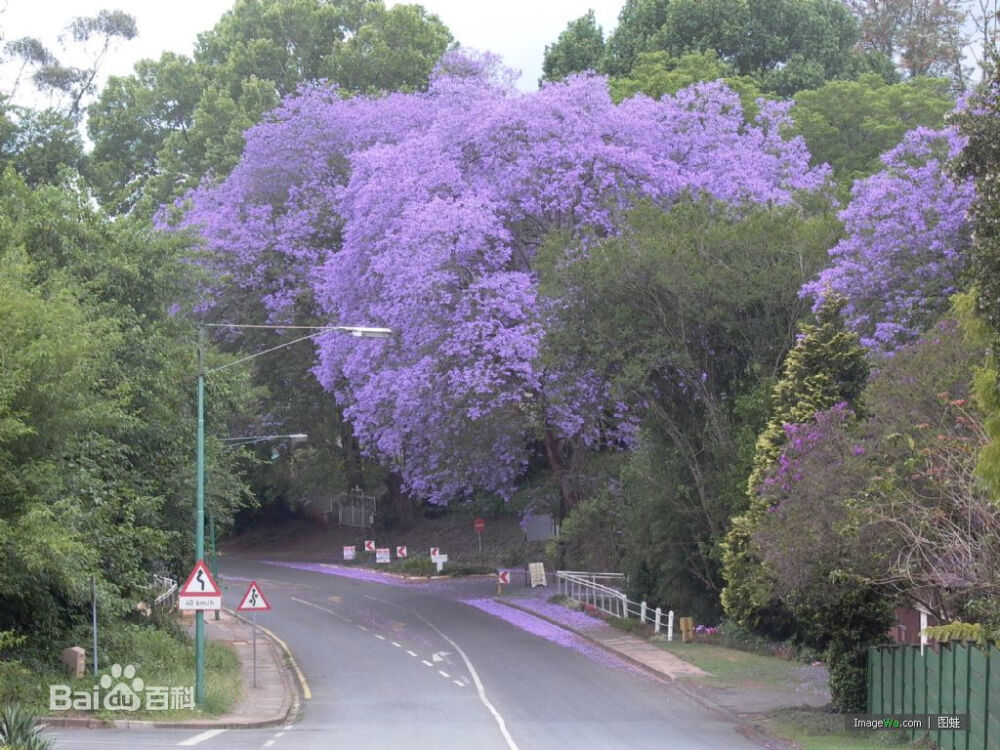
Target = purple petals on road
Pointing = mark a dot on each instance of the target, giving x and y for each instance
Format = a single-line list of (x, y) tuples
[(359, 574)]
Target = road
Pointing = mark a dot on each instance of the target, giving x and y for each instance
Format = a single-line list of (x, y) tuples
[(419, 666)]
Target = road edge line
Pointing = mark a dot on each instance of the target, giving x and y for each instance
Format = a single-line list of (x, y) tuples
[(303, 683)]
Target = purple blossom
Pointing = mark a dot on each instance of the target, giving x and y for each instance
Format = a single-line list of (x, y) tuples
[(423, 212)]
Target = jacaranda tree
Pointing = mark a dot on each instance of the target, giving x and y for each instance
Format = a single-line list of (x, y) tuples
[(906, 246), (423, 212)]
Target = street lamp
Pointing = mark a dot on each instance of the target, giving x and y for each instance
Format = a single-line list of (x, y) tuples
[(199, 521)]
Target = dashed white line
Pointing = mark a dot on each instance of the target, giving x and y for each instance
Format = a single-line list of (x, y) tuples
[(444, 674), (199, 738), (426, 663), (380, 637), (269, 743), (397, 645), (480, 690), (459, 683), (322, 609), (363, 628), (412, 653)]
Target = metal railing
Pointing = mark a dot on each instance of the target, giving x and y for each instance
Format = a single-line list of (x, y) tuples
[(584, 587), (167, 598)]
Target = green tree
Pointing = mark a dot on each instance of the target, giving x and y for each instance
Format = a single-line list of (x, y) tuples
[(159, 131), (639, 23), (579, 47), (849, 124), (685, 314), (826, 367)]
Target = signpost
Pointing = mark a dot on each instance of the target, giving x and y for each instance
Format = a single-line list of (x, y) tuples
[(200, 591), (480, 526), (503, 579), (370, 549), (254, 602), (401, 551), (382, 555), (536, 571), (349, 552), (437, 558)]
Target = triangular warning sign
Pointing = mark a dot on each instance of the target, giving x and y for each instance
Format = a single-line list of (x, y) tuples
[(200, 582), (253, 600)]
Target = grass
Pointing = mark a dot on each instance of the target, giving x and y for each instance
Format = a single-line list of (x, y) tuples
[(161, 659), (729, 667), (816, 729)]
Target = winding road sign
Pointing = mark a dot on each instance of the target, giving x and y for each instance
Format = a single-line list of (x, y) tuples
[(200, 591)]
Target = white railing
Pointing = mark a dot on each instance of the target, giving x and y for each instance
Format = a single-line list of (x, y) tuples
[(584, 587), (167, 597)]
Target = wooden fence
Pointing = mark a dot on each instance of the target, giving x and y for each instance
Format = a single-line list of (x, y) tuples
[(945, 679)]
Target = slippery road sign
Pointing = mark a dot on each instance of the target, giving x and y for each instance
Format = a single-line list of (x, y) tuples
[(253, 600)]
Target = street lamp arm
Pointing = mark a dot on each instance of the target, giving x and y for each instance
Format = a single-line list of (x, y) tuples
[(258, 354)]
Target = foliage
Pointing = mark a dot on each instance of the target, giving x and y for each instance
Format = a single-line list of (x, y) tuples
[(905, 249), (578, 48), (923, 38), (19, 729), (175, 120), (479, 179), (825, 368), (590, 536), (956, 631), (654, 310), (848, 124), (979, 124), (791, 45)]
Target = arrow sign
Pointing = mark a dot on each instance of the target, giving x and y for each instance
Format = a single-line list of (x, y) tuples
[(253, 600), (439, 656), (400, 551), (369, 545), (200, 591), (504, 577), (435, 551)]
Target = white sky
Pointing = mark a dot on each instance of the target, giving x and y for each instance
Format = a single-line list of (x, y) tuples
[(517, 30)]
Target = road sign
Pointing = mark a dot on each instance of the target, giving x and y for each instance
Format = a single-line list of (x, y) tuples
[(382, 555), (200, 591), (480, 525), (253, 600), (504, 577), (369, 545), (400, 551), (536, 571), (435, 551), (349, 552)]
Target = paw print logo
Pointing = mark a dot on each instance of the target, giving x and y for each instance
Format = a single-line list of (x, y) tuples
[(124, 695)]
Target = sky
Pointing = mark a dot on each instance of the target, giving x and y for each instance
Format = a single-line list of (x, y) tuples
[(517, 30)]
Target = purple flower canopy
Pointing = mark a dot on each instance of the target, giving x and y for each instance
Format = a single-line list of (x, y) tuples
[(907, 232), (423, 212)]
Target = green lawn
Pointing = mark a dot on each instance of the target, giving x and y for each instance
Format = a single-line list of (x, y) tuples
[(816, 729)]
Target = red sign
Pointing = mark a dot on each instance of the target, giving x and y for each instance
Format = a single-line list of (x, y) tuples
[(200, 582), (400, 551), (480, 525), (435, 551), (253, 600), (504, 576), (369, 545)]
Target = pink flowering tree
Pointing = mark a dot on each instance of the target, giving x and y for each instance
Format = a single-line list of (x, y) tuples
[(423, 213), (908, 233)]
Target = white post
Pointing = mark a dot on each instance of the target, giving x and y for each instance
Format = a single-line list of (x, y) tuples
[(670, 625), (624, 607), (642, 613), (656, 621)]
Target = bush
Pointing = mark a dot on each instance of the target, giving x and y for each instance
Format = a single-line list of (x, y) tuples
[(19, 729)]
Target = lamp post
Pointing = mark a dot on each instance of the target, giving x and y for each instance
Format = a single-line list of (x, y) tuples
[(199, 515)]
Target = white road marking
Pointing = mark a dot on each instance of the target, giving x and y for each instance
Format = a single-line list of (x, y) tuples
[(411, 653), (480, 690), (460, 684), (444, 674), (269, 743), (278, 734), (322, 609), (363, 628), (199, 738), (397, 645), (380, 637), (425, 662)]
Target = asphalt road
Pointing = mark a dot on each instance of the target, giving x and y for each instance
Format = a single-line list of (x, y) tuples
[(414, 667)]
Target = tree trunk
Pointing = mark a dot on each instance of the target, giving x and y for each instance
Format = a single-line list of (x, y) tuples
[(400, 501), (554, 451)]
